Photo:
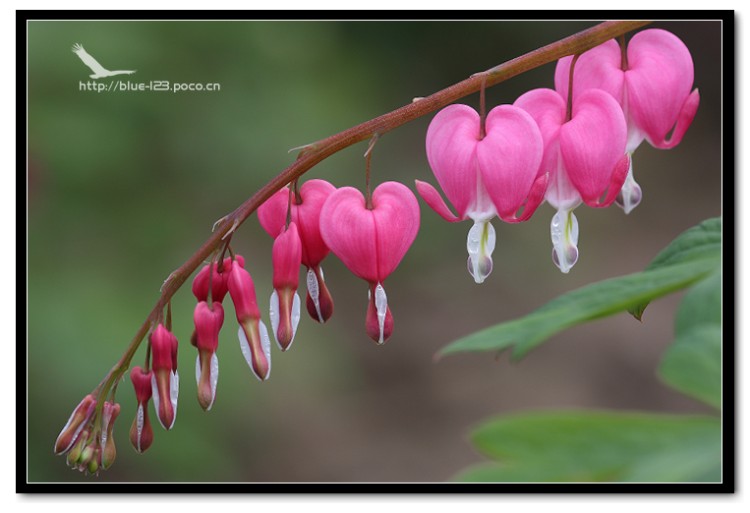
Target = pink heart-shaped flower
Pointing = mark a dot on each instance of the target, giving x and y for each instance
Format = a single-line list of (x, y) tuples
[(370, 242)]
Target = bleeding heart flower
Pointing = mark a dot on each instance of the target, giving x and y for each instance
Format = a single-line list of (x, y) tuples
[(652, 82), (484, 177), (585, 157), (306, 207), (371, 242)]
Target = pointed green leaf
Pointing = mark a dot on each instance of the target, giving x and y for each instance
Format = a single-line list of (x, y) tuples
[(692, 364), (591, 302), (598, 446), (700, 241)]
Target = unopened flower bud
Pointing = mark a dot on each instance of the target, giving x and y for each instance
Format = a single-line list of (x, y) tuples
[(141, 432), (77, 421), (165, 380), (74, 455), (253, 335), (108, 449), (208, 321), (285, 302), (94, 462)]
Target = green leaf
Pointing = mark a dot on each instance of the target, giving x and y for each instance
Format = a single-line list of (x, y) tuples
[(598, 446), (593, 301), (700, 241), (689, 258), (692, 364)]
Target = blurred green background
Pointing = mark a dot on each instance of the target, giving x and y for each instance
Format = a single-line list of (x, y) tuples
[(124, 186)]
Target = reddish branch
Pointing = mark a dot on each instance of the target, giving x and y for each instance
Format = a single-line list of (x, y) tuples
[(314, 153)]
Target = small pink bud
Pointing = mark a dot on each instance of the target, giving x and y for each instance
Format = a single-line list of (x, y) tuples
[(141, 432), (242, 291), (165, 380), (110, 412), (285, 302), (208, 321), (77, 421), (253, 335)]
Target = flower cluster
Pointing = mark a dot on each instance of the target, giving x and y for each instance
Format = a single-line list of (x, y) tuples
[(568, 146), (87, 437)]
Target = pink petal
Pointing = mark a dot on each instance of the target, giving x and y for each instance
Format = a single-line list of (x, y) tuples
[(371, 243), (396, 213), (432, 197), (451, 143), (547, 108), (313, 194), (658, 83), (619, 174), (348, 229), (592, 142), (599, 68), (509, 157), (684, 120), (536, 196), (272, 213)]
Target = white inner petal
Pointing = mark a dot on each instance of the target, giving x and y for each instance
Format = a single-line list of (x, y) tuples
[(245, 348), (155, 395), (296, 308), (274, 314), (214, 378), (564, 235), (174, 390), (265, 343), (381, 306), (561, 193), (314, 291), (480, 244), (198, 369), (630, 194), (139, 422)]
